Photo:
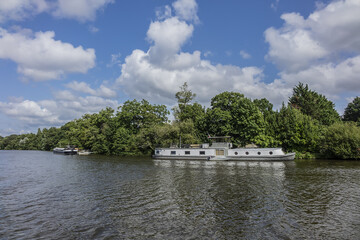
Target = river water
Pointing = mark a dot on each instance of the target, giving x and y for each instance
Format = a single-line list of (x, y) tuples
[(47, 196)]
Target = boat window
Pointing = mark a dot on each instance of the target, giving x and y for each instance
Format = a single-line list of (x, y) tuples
[(247, 153), (202, 152), (236, 153), (259, 153), (173, 152), (187, 152), (157, 151), (271, 153)]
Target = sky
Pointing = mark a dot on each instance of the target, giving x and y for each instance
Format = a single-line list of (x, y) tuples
[(60, 59)]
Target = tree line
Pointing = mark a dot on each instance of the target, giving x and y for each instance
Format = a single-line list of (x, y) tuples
[(308, 124)]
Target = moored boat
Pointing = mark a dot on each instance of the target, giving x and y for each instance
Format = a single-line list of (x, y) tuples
[(221, 150), (84, 152), (67, 151)]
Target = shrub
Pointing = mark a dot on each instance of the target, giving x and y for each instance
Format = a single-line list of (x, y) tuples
[(342, 140)]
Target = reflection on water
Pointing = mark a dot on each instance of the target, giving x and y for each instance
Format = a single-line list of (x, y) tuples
[(95, 197)]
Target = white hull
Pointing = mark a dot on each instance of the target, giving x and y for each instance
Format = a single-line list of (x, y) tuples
[(212, 154)]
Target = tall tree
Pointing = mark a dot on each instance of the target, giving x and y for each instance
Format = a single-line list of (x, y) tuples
[(314, 105), (352, 111), (134, 115), (297, 131), (184, 98), (233, 114)]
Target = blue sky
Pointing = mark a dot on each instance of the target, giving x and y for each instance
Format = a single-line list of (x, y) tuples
[(60, 59)]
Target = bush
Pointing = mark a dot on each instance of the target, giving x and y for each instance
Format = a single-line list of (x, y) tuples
[(342, 140)]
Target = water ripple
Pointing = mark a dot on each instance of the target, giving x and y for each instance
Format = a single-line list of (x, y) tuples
[(46, 196)]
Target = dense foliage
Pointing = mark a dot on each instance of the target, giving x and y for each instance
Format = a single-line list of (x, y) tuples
[(352, 111), (342, 140), (307, 124), (314, 105)]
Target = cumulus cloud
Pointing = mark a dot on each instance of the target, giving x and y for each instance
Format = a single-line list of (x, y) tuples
[(83, 87), (30, 112), (186, 10), (325, 34), (67, 109), (330, 77), (167, 36), (82, 10), (20, 9), (158, 73), (63, 108), (40, 57), (322, 50)]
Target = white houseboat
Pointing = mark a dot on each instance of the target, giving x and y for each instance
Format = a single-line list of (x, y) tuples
[(221, 149), (69, 150)]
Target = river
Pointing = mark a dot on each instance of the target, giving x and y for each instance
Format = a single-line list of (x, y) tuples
[(48, 196)]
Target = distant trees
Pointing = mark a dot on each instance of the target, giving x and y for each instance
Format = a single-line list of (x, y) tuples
[(314, 105), (235, 115), (307, 124), (352, 111), (342, 140)]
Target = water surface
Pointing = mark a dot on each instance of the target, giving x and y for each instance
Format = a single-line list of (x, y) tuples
[(47, 196)]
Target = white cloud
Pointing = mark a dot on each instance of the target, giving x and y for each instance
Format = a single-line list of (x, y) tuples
[(168, 36), (40, 57), (293, 50), (93, 29), (157, 74), (163, 13), (322, 50), (83, 87), (49, 113), (186, 10), (329, 78), (115, 60), (82, 10), (244, 54), (29, 111), (20, 9), (325, 34)]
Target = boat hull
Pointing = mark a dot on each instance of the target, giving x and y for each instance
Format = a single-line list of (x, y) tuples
[(286, 157), (65, 151)]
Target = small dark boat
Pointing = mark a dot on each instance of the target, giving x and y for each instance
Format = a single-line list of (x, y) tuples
[(67, 151)]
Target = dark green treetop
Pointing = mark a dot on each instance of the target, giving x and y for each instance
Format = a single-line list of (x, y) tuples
[(352, 111), (233, 114), (314, 105)]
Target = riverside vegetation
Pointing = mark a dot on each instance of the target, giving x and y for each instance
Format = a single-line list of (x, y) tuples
[(308, 124)]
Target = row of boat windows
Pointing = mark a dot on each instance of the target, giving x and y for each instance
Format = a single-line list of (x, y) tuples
[(188, 152), (203, 153), (259, 153)]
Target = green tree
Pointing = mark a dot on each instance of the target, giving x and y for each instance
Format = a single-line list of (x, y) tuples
[(297, 131), (50, 138), (314, 105), (165, 135), (268, 137), (234, 115), (184, 98), (134, 115), (342, 140), (352, 111), (94, 131)]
